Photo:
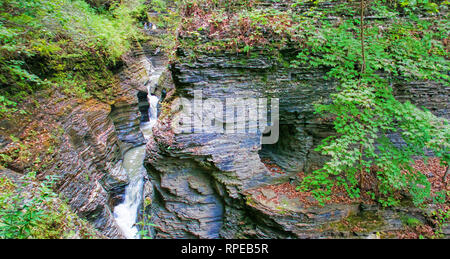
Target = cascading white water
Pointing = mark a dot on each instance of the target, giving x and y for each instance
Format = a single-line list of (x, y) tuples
[(147, 127), (126, 212)]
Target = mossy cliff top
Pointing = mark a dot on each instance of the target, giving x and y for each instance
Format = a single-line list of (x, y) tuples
[(261, 27)]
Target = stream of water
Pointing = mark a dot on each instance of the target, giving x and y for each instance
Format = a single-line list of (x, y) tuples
[(126, 212)]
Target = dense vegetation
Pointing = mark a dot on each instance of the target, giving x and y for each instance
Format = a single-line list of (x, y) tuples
[(29, 209), (365, 109), (66, 44)]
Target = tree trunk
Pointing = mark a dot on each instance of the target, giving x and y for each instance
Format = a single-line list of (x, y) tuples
[(363, 65), (445, 175)]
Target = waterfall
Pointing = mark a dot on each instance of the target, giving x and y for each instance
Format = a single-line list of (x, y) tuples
[(126, 212), (147, 127)]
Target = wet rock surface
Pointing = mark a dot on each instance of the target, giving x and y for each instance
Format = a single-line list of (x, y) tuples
[(95, 140), (92, 137)]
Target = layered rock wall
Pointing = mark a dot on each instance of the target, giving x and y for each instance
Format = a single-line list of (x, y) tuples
[(204, 183), (95, 137)]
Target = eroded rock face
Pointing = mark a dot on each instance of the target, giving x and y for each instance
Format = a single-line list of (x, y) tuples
[(95, 136), (89, 165), (204, 183)]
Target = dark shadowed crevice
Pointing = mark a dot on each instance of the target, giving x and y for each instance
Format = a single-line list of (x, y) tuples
[(291, 150), (143, 105)]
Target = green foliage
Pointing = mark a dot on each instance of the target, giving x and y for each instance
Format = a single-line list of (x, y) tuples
[(411, 221), (365, 110), (441, 197), (32, 210), (441, 218), (44, 41), (159, 6), (145, 223), (167, 21), (7, 106), (144, 226), (413, 5), (215, 25)]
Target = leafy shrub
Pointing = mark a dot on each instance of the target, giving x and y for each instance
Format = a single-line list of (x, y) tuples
[(365, 110), (32, 210), (43, 41)]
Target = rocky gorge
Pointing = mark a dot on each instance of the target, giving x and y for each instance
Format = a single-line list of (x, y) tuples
[(206, 184), (95, 136), (209, 185)]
